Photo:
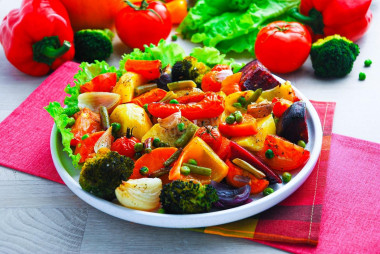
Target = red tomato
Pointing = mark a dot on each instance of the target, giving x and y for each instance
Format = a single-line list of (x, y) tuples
[(125, 146), (210, 135), (282, 46), (287, 156), (101, 83), (247, 127), (86, 122), (210, 83), (146, 24)]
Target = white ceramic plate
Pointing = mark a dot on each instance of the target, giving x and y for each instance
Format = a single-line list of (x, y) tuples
[(70, 176)]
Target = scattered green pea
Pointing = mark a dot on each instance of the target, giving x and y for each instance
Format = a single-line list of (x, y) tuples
[(268, 191), (286, 177), (144, 170), (242, 100), (269, 154), (181, 126), (185, 170), (230, 119), (161, 210), (146, 107), (237, 105), (192, 162), (362, 76), (173, 101), (238, 116), (116, 126), (156, 142), (367, 63), (139, 147), (301, 143), (174, 37), (84, 136)]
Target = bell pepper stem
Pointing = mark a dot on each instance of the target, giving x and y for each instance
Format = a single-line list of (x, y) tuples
[(48, 49), (314, 20)]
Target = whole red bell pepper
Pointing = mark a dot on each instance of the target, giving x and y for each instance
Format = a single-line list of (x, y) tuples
[(198, 106), (349, 18), (37, 37)]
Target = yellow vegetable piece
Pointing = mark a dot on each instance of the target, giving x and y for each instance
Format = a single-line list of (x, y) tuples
[(254, 143), (233, 98), (131, 116), (127, 84), (198, 150), (284, 91)]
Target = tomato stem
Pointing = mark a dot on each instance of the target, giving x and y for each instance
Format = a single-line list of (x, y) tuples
[(143, 7)]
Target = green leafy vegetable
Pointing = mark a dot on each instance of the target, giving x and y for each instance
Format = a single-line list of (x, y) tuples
[(234, 26), (168, 53), (62, 116)]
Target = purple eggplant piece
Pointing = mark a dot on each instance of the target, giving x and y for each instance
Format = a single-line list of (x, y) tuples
[(239, 152), (292, 124), (255, 76), (230, 197), (163, 80)]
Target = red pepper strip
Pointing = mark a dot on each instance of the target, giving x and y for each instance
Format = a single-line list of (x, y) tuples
[(241, 153), (101, 83), (280, 106), (247, 127), (199, 106), (148, 69), (37, 37), (154, 95), (328, 17), (86, 147)]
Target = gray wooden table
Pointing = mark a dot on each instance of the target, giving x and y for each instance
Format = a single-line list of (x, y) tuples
[(40, 216)]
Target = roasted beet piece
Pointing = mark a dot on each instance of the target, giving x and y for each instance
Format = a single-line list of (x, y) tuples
[(256, 76), (292, 124)]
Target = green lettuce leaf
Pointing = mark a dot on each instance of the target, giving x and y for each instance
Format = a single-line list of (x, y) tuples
[(168, 53), (234, 29), (62, 115)]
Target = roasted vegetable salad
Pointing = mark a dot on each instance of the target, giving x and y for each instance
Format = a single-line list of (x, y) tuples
[(197, 142)]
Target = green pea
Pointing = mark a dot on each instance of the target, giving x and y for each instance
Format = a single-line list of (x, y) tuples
[(173, 101), (237, 105), (84, 136), (269, 154), (238, 116), (286, 177), (146, 107), (116, 127), (301, 143), (181, 126), (192, 162), (174, 37), (230, 119), (161, 210), (139, 147), (144, 170), (367, 63), (242, 101), (362, 76), (156, 142), (185, 170), (268, 191)]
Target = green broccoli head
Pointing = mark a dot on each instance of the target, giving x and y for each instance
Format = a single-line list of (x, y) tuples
[(102, 174), (182, 197), (333, 56), (189, 69), (93, 44)]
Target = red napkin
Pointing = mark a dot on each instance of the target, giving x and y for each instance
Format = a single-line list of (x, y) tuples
[(26, 131), (350, 214)]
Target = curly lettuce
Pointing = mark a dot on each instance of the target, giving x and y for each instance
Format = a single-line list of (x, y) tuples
[(232, 25), (62, 115)]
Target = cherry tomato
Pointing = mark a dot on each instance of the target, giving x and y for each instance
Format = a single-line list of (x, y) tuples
[(145, 24), (282, 46), (125, 146), (210, 135), (210, 83), (101, 83), (286, 155)]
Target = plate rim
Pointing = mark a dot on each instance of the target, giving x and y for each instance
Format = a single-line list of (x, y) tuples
[(202, 219)]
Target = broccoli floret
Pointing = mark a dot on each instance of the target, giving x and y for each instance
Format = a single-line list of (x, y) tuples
[(93, 44), (102, 174), (189, 69), (182, 197), (333, 56)]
